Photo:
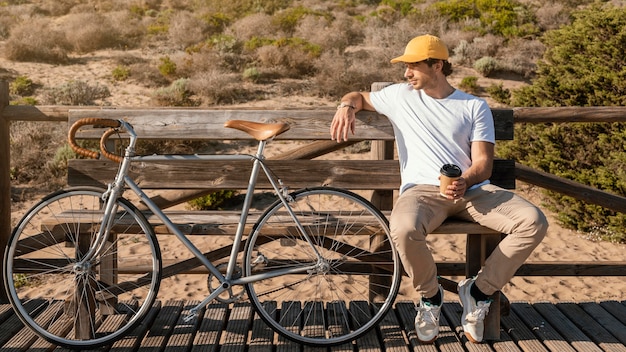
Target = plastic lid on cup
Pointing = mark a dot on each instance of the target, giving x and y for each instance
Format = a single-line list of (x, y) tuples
[(451, 170)]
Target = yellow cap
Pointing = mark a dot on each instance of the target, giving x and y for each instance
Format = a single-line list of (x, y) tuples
[(423, 47)]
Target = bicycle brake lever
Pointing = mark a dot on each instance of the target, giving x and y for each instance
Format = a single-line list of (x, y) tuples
[(285, 191)]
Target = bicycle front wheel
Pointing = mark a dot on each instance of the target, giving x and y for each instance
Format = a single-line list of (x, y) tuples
[(76, 303), (328, 281)]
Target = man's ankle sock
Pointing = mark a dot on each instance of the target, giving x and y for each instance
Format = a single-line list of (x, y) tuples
[(477, 293), (434, 300)]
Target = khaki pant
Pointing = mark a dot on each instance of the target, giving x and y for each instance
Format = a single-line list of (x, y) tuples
[(421, 209)]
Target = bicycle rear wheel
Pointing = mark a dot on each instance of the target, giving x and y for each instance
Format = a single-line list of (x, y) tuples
[(329, 300), (81, 305)]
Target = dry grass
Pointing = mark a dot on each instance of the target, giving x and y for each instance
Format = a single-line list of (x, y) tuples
[(307, 48)]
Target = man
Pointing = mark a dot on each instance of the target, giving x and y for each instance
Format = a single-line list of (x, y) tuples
[(436, 124)]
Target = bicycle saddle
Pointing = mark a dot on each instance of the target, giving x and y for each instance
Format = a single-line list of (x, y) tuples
[(258, 130)]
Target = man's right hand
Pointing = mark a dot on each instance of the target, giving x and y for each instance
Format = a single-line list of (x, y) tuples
[(343, 122)]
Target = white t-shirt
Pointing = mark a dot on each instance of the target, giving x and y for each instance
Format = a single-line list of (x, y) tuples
[(432, 132)]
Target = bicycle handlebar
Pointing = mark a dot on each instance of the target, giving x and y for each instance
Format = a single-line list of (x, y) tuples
[(95, 122)]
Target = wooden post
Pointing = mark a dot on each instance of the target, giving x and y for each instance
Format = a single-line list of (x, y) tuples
[(382, 150), (383, 200), (5, 181)]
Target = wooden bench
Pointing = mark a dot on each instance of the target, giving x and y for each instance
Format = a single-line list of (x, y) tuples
[(296, 168)]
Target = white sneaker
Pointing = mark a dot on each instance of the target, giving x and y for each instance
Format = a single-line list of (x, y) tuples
[(427, 320), (474, 312)]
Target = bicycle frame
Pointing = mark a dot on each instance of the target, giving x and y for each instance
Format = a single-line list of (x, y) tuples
[(117, 188)]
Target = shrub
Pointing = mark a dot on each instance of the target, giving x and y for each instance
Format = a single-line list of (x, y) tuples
[(177, 94), (500, 17), (167, 67), (252, 74), (76, 93), (218, 87), (486, 65), (469, 84), (185, 30), (87, 32), (287, 20), (46, 44), (581, 67), (120, 73), (58, 164), (212, 201), (521, 56), (22, 85), (33, 144), (499, 94)]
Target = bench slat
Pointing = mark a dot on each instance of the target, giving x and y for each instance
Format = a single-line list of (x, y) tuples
[(225, 223), (349, 174)]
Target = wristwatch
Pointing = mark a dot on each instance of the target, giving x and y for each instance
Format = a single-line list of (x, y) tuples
[(344, 105)]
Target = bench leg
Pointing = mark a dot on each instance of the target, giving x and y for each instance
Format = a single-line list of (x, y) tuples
[(478, 249)]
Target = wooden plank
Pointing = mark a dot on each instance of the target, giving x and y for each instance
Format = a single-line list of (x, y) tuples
[(131, 341), (111, 324), (202, 174), (209, 333), (163, 325), (262, 336), (13, 324), (26, 337), (570, 114), (391, 333), (360, 311), (290, 318), (566, 328), (183, 334), (224, 223), (337, 319), (184, 174), (505, 343), (593, 329), (606, 319), (448, 340), (616, 309), (521, 334), (208, 124), (235, 336), (541, 328), (570, 188)]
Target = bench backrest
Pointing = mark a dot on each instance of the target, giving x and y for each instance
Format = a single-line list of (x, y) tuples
[(312, 125)]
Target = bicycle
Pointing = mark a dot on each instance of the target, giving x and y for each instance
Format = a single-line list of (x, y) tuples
[(75, 277)]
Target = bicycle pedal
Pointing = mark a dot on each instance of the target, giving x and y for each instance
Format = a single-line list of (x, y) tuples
[(191, 316)]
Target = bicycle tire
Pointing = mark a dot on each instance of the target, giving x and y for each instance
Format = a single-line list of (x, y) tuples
[(75, 306), (348, 293)]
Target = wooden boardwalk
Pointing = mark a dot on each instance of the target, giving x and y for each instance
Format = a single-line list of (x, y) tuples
[(558, 327)]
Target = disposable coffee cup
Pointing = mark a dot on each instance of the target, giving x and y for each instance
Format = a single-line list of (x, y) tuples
[(449, 174)]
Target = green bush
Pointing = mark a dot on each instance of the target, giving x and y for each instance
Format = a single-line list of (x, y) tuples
[(167, 67), (177, 94), (212, 201), (501, 17), (252, 74), (21, 85), (121, 73), (486, 65), (469, 84), (582, 66), (499, 93)]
